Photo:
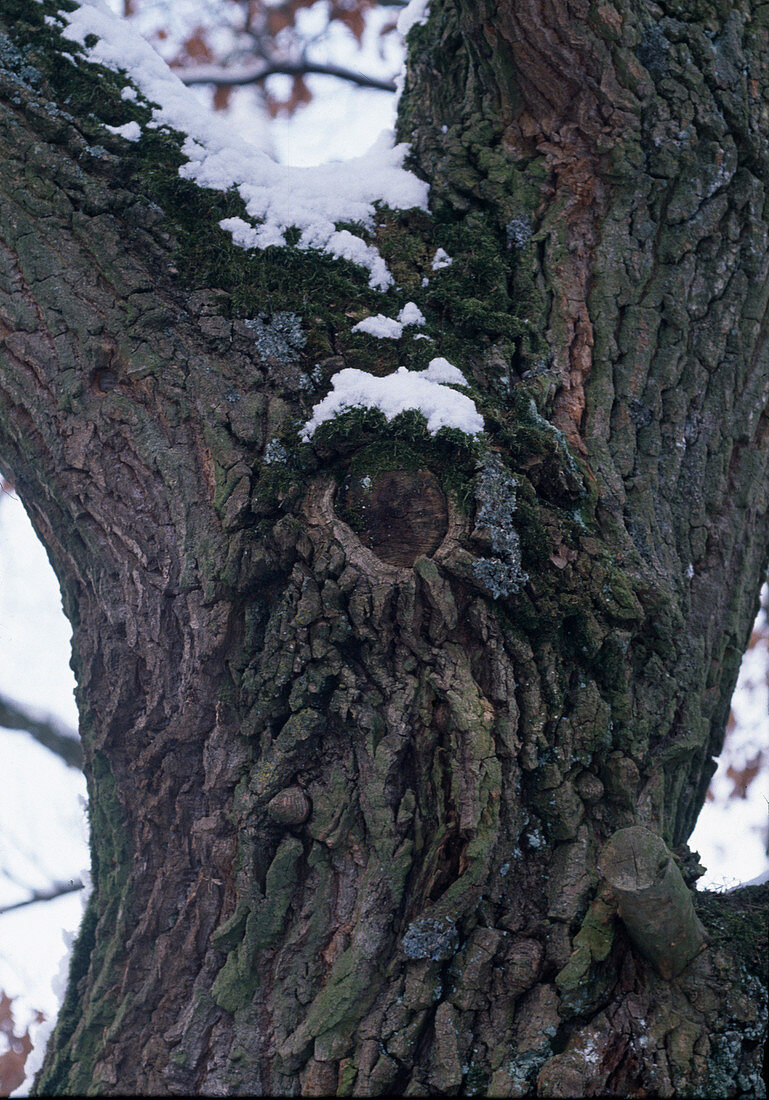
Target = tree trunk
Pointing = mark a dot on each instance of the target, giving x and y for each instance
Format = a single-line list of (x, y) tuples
[(359, 714)]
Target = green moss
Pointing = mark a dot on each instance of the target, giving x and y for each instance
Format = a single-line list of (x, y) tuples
[(230, 932), (231, 990), (265, 923), (583, 982), (24, 15), (471, 296), (736, 922), (736, 926), (363, 442), (55, 1074), (405, 241), (80, 1024), (347, 1076), (536, 542), (348, 985), (611, 664), (110, 843), (276, 480)]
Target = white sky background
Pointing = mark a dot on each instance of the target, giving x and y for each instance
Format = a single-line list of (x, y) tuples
[(341, 121), (43, 829), (42, 823)]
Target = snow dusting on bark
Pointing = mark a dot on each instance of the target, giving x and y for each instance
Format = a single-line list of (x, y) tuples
[(383, 328), (277, 197), (411, 314), (131, 131)]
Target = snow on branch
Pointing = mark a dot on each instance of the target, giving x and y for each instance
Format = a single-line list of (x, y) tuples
[(277, 197)]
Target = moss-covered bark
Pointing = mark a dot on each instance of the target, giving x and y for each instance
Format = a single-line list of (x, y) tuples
[(349, 791)]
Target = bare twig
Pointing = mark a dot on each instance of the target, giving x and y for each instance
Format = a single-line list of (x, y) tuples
[(231, 78), (46, 729), (57, 890)]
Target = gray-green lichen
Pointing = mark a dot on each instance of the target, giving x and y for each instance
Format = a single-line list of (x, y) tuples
[(278, 337), (518, 231), (502, 574), (275, 452), (431, 938)]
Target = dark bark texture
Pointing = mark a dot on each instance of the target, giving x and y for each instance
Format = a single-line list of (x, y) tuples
[(359, 715)]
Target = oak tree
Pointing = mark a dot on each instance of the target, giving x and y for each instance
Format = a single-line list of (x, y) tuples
[(394, 737)]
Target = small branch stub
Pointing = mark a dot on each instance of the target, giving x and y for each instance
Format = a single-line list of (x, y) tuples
[(289, 807), (653, 900)]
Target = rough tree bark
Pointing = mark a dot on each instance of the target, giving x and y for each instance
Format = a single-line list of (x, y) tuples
[(360, 715)]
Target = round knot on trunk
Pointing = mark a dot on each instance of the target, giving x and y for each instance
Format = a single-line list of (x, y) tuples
[(290, 806), (399, 514)]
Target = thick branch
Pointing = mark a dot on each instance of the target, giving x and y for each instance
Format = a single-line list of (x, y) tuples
[(46, 729), (256, 74), (653, 899)]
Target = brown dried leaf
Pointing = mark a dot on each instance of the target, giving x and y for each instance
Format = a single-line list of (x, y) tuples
[(743, 777), (222, 96), (300, 94), (562, 556), (196, 48), (351, 17), (13, 1060)]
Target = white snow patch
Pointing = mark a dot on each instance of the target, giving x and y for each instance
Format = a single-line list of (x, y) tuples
[(441, 370), (131, 131), (411, 314), (276, 196), (129, 93), (416, 11), (387, 328), (759, 880), (731, 831), (384, 328), (344, 245), (441, 406), (441, 259)]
